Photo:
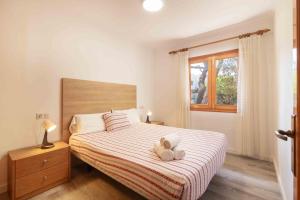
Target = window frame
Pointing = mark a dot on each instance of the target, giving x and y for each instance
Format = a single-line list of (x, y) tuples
[(212, 106)]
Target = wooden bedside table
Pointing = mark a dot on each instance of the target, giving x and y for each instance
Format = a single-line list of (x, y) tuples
[(33, 170), (157, 122)]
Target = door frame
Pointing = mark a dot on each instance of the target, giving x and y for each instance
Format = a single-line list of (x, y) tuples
[(297, 133)]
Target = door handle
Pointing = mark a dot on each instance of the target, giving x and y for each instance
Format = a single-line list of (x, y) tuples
[(284, 135), (281, 134)]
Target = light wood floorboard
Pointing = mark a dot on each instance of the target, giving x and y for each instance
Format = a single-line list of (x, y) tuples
[(244, 178), (240, 178)]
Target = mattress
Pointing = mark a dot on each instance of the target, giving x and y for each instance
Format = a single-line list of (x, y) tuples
[(127, 156)]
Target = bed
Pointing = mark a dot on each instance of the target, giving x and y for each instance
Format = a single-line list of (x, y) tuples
[(127, 155)]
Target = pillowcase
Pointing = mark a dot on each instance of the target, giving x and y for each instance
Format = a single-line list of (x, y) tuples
[(87, 123), (116, 121), (132, 115)]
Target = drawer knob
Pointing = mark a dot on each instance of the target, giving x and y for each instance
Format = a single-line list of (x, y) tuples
[(45, 178), (45, 161)]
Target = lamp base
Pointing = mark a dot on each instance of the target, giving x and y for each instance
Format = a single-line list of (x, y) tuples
[(148, 120), (47, 146)]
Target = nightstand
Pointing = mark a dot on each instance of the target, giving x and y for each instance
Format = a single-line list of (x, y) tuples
[(157, 122), (34, 170)]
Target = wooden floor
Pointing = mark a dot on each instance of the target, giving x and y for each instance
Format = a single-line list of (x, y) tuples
[(240, 179), (244, 178)]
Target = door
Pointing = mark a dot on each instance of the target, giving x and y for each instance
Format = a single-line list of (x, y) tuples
[(297, 110), (294, 133)]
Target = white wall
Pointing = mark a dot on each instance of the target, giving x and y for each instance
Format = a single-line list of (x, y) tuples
[(284, 43), (165, 91), (41, 42)]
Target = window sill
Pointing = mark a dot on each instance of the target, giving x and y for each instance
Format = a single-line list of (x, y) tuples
[(228, 110)]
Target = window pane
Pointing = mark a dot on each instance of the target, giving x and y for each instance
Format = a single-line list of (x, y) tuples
[(227, 77), (199, 81)]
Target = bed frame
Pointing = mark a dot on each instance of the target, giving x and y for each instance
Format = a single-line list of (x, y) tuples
[(84, 97)]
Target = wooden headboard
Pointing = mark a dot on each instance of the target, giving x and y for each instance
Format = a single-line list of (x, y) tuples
[(84, 97)]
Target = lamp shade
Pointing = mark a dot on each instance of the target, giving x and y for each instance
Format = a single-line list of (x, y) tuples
[(149, 113), (48, 125), (153, 5)]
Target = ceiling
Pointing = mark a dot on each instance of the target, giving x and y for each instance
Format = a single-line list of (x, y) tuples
[(181, 18), (178, 19)]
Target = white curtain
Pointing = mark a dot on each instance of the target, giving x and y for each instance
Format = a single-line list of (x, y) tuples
[(255, 98), (183, 93)]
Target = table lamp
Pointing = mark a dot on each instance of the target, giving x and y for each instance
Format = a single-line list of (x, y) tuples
[(48, 126), (149, 113)]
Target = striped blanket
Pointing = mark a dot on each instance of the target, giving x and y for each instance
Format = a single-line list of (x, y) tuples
[(127, 156)]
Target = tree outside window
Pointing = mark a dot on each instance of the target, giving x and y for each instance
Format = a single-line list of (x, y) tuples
[(213, 82)]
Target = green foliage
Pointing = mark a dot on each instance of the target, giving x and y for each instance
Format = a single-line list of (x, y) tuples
[(226, 90)]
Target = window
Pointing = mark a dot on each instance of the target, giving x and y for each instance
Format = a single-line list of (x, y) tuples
[(213, 82)]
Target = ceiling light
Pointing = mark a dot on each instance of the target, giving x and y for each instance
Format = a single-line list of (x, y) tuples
[(153, 5)]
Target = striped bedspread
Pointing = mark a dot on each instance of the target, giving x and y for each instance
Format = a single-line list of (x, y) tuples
[(127, 156)]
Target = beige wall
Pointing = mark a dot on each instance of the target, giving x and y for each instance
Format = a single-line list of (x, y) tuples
[(43, 41), (165, 97)]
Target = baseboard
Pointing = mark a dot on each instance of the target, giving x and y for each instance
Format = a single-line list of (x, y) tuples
[(232, 151), (235, 152), (279, 180), (3, 188)]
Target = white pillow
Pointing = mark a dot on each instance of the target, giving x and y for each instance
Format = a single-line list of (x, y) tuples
[(132, 115), (87, 123)]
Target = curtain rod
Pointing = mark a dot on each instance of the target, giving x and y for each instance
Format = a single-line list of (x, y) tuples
[(259, 32)]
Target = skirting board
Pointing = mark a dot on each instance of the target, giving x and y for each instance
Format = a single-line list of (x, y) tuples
[(232, 151), (279, 180), (3, 188), (235, 152)]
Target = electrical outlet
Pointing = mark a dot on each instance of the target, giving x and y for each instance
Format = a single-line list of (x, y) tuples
[(46, 116), (41, 116), (38, 116)]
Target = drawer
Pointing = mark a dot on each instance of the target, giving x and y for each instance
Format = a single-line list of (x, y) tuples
[(40, 162), (35, 181)]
